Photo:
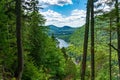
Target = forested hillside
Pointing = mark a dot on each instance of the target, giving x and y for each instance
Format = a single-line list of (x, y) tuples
[(38, 58), (105, 49), (102, 32), (61, 32)]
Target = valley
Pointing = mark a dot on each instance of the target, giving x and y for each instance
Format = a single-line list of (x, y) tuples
[(64, 32), (59, 39)]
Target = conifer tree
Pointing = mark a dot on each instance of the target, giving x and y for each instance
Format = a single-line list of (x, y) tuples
[(19, 40), (85, 47)]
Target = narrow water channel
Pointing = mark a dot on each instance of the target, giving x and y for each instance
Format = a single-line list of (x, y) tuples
[(62, 43)]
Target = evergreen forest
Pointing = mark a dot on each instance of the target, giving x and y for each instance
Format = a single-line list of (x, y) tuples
[(29, 49)]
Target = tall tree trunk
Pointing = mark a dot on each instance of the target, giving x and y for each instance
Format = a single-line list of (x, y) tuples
[(19, 40), (83, 68), (118, 33), (110, 50), (92, 41)]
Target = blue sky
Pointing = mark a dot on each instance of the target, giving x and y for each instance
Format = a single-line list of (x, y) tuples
[(66, 9), (64, 12), (67, 12)]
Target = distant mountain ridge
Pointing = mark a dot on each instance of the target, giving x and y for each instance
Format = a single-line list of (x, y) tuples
[(63, 28), (61, 32)]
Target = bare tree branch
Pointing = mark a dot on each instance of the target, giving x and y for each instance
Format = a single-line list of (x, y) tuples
[(113, 47)]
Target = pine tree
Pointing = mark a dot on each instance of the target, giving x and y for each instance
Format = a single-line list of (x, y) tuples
[(92, 41), (19, 40), (83, 68)]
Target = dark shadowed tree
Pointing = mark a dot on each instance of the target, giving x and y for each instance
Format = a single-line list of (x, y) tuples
[(118, 32), (92, 41), (110, 50), (19, 40), (83, 69)]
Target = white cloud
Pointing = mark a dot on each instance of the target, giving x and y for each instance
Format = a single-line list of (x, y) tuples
[(76, 18), (104, 7), (46, 3)]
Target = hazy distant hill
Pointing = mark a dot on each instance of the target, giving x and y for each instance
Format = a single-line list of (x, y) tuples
[(61, 32)]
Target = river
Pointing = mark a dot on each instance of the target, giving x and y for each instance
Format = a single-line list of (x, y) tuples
[(62, 43)]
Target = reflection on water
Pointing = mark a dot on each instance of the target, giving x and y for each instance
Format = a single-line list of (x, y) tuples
[(62, 43)]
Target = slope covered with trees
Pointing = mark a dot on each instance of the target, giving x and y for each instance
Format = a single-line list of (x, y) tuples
[(28, 53), (106, 57), (37, 57), (61, 32)]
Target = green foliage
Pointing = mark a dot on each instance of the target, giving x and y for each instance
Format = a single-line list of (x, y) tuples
[(41, 50), (70, 69), (7, 39), (101, 48), (43, 60), (78, 37), (31, 72)]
